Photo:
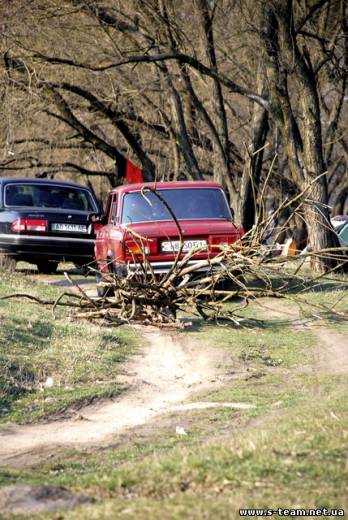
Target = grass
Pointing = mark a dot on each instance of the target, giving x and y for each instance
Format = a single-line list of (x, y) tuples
[(337, 300), (288, 451), (316, 297), (270, 342), (291, 457), (48, 365)]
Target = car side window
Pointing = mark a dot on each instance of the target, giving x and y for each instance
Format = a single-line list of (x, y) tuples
[(113, 210)]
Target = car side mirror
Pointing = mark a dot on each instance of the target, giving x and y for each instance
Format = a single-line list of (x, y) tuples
[(97, 218), (232, 213)]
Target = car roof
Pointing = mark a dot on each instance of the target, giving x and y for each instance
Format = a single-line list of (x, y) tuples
[(28, 180), (125, 188)]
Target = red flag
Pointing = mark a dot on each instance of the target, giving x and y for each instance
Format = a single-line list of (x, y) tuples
[(134, 174)]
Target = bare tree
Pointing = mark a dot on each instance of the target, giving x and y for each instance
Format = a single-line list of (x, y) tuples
[(185, 89)]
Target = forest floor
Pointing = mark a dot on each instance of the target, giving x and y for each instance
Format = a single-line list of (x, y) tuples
[(200, 422)]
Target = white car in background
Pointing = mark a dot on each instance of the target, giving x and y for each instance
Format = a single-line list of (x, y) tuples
[(340, 225)]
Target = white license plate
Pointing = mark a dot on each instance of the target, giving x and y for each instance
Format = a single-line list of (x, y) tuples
[(174, 245), (73, 228)]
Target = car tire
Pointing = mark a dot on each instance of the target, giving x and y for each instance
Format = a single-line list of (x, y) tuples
[(7, 263), (47, 267), (119, 270)]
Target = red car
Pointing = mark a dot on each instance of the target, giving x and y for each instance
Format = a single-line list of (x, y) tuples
[(137, 222)]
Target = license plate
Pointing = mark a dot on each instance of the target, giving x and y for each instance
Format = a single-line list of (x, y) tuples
[(174, 246), (73, 228)]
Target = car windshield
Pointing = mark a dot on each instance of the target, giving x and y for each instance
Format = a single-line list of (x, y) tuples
[(47, 196), (186, 203)]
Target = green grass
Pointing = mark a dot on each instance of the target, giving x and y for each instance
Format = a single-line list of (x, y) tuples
[(323, 302), (80, 359), (287, 456), (319, 297), (261, 339), (290, 450)]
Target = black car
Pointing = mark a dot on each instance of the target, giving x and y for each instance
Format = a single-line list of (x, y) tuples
[(45, 222)]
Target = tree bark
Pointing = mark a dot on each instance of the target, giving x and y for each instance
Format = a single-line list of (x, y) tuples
[(253, 160), (320, 232), (305, 154), (222, 168)]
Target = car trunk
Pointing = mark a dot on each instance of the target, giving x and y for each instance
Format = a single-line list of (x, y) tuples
[(57, 223), (196, 234)]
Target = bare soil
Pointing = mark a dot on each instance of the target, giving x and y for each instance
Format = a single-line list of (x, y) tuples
[(332, 351), (167, 372), (330, 354), (23, 500), (162, 378)]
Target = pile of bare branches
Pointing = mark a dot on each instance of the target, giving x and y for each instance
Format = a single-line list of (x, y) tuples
[(249, 269), (240, 274)]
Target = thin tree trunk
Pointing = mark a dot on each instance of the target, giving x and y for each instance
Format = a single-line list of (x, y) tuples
[(222, 167), (183, 137), (253, 160)]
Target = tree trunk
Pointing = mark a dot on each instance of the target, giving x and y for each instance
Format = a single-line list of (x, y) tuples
[(184, 140), (305, 155), (222, 163), (253, 161), (320, 232)]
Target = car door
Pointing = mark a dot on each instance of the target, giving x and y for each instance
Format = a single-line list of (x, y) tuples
[(102, 243), (115, 232), (106, 246)]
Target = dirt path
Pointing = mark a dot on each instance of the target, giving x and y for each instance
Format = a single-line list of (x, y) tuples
[(167, 371), (332, 351), (331, 348)]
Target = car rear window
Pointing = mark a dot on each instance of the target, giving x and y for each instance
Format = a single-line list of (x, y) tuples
[(47, 196), (186, 203)]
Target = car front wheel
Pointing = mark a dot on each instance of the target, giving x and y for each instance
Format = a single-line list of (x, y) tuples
[(47, 267), (102, 290)]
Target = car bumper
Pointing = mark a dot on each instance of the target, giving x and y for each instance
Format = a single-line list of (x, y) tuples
[(32, 247), (164, 267)]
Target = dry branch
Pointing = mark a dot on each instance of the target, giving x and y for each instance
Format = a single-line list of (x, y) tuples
[(242, 272), (239, 274)]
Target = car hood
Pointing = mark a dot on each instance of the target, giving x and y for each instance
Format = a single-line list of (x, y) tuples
[(188, 228)]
